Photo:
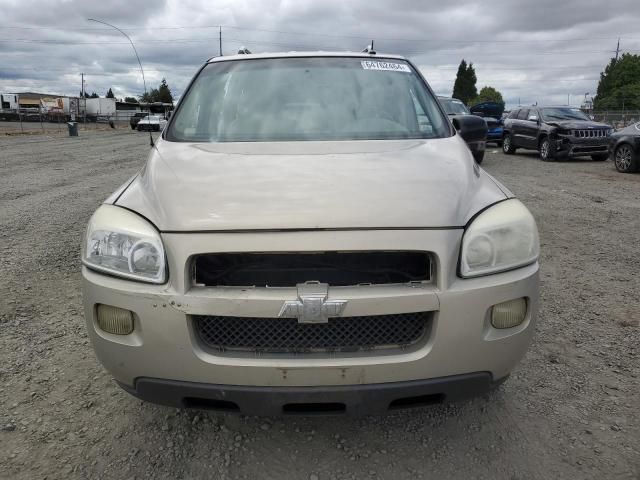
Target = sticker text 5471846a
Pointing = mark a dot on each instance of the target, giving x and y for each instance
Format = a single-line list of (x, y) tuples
[(389, 66)]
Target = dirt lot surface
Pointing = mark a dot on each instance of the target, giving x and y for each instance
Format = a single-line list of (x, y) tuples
[(570, 410)]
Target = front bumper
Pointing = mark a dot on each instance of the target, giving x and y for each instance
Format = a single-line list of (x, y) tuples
[(164, 346), (569, 146), (357, 400), (145, 127)]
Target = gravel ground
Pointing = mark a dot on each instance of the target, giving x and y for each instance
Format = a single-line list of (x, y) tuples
[(570, 410)]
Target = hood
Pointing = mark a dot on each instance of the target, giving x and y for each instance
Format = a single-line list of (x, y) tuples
[(488, 109), (633, 129), (577, 124), (310, 185)]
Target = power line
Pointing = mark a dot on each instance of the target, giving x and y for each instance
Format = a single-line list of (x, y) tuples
[(189, 67), (290, 45), (366, 36)]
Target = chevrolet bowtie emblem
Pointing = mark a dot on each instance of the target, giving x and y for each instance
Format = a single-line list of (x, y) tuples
[(312, 305)]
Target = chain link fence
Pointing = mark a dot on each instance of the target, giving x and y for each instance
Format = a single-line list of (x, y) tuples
[(31, 121), (617, 119)]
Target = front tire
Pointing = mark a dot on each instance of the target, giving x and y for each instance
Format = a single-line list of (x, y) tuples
[(601, 157), (507, 145), (478, 157), (625, 160), (546, 151)]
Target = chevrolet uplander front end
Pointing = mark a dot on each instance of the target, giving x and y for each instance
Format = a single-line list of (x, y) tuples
[(310, 234)]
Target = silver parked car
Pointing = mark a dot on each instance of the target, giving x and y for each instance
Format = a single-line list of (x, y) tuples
[(311, 234), (153, 123)]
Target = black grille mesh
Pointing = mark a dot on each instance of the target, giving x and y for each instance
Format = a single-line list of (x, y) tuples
[(286, 335)]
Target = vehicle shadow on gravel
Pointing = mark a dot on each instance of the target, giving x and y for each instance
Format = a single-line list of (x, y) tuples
[(533, 154)]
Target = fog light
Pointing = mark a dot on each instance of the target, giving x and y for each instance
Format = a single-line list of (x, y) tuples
[(117, 321), (509, 314)]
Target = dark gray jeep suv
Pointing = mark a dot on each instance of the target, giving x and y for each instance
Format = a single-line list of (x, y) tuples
[(556, 132)]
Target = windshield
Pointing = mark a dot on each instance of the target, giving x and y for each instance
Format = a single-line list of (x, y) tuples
[(319, 98), (560, 113), (454, 106)]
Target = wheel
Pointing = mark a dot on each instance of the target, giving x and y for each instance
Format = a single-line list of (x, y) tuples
[(601, 157), (478, 156), (507, 145), (624, 159), (546, 152)]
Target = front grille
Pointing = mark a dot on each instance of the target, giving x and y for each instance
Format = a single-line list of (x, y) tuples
[(291, 268), (592, 133), (286, 335)]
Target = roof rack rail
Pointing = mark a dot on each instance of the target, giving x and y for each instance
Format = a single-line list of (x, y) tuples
[(369, 49), (243, 51)]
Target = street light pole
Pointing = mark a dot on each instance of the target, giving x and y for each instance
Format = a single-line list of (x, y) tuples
[(144, 83)]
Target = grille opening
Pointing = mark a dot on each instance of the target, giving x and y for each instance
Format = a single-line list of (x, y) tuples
[(314, 408), (593, 148), (288, 269), (210, 404), (419, 401), (288, 336)]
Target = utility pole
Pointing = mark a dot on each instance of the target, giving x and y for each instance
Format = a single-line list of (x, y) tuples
[(220, 38), (618, 49), (83, 101)]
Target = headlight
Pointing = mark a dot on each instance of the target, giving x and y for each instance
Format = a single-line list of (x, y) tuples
[(122, 243), (503, 237)]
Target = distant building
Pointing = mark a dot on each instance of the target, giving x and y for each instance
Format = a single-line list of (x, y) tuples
[(9, 101), (587, 103), (40, 106), (100, 108)]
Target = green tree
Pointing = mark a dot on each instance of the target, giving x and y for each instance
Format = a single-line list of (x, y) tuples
[(164, 92), (464, 88), (94, 95), (150, 96), (619, 86), (131, 99), (488, 94), (110, 94), (160, 94)]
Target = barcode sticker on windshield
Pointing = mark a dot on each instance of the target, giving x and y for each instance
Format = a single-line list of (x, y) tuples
[(393, 67)]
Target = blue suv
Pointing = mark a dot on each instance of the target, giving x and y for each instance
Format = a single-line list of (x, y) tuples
[(492, 113)]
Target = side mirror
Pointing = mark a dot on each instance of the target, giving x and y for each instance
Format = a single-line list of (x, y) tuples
[(471, 128), (168, 114)]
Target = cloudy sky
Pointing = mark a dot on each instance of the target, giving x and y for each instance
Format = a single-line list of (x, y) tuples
[(545, 51)]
